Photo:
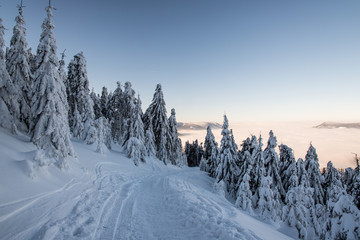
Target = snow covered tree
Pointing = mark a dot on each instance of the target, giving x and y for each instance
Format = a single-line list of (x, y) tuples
[(103, 135), (61, 69), (343, 221), (259, 166), (115, 113), (150, 140), (193, 153), (104, 100), (244, 194), (174, 145), (135, 144), (17, 63), (9, 108), (97, 108), (51, 132), (294, 212), (265, 202), (79, 95), (78, 125), (246, 161), (314, 174), (160, 124), (128, 107), (272, 168), (353, 182), (287, 165), (227, 170), (211, 152), (302, 174)]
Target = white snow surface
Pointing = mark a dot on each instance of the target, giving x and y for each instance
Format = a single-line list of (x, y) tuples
[(108, 197)]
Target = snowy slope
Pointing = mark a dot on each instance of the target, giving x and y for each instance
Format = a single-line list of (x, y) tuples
[(107, 197)]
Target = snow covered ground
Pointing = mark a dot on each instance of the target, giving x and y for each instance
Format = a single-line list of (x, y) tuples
[(107, 197)]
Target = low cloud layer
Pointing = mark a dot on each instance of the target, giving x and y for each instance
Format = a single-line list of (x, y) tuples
[(336, 145)]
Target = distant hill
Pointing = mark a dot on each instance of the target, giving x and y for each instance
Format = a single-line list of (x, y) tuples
[(198, 125), (331, 125)]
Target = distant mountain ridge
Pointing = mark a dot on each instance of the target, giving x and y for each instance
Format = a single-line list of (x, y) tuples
[(198, 125), (331, 125)]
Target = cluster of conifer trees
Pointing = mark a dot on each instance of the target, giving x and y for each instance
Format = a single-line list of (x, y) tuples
[(39, 98), (276, 187)]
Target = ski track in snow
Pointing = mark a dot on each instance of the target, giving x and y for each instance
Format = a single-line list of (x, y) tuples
[(154, 204)]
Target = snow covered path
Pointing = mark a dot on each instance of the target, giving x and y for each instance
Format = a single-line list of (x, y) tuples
[(159, 204), (107, 197)]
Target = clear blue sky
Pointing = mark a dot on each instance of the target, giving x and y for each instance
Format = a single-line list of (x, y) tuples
[(256, 60)]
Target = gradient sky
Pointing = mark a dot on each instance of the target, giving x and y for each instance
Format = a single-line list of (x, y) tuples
[(256, 60)]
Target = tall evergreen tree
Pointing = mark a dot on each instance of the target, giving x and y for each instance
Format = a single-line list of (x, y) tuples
[(129, 101), (104, 101), (244, 194), (51, 132), (150, 140), (157, 111), (211, 152), (265, 201), (259, 166), (61, 69), (128, 108), (272, 168), (287, 166), (103, 134), (17, 63), (135, 144), (9, 108), (227, 169), (174, 143), (97, 106), (314, 174), (115, 113), (344, 218), (79, 95), (295, 212)]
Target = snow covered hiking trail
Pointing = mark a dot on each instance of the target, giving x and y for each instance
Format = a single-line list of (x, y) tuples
[(110, 198)]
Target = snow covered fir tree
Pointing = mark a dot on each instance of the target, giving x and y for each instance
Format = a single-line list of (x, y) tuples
[(48, 103), (40, 99), (277, 188)]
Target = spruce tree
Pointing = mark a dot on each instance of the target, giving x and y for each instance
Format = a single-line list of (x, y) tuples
[(9, 108), (314, 174), (244, 194), (104, 101), (259, 166), (79, 95), (227, 170), (294, 212), (211, 152), (97, 107), (150, 140), (287, 165), (51, 132), (115, 113), (135, 144), (343, 217), (265, 202), (157, 111), (246, 161), (17, 63), (61, 70), (103, 135), (272, 168), (174, 143)]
